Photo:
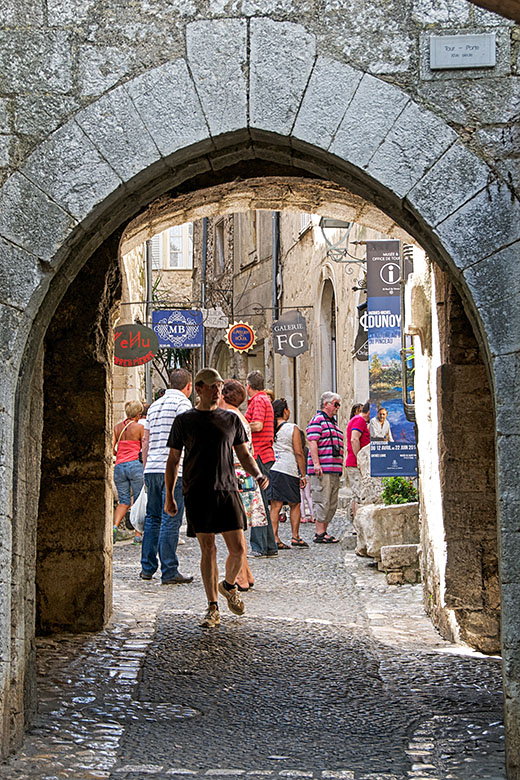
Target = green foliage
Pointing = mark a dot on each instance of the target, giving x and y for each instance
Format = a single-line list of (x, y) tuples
[(398, 490)]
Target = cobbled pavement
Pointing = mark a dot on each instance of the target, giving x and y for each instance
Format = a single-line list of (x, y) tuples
[(330, 675)]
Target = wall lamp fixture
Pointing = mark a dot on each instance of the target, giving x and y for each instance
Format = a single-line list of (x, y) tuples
[(337, 245)]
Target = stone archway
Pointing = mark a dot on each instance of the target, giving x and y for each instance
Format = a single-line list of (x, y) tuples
[(114, 157)]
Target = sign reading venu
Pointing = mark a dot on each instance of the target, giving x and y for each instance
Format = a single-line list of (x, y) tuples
[(134, 345)]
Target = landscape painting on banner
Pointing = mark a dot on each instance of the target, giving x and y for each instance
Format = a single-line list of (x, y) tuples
[(392, 445)]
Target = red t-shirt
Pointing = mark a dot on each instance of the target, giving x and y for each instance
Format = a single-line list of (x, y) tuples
[(357, 423), (260, 409)]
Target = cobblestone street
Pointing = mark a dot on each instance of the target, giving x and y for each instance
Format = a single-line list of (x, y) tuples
[(330, 674)]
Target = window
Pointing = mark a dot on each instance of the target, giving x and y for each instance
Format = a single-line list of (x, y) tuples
[(156, 252), (305, 221), (180, 246), (220, 256)]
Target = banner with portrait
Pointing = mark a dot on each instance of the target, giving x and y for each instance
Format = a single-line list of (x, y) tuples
[(393, 450)]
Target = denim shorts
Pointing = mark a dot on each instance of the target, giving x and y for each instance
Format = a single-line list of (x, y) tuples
[(128, 479)]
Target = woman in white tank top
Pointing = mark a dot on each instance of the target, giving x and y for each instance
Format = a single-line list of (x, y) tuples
[(287, 474)]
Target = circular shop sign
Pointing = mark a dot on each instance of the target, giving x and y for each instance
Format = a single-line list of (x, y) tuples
[(134, 345), (240, 336)]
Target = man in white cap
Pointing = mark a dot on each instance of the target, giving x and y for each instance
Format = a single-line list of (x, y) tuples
[(212, 500)]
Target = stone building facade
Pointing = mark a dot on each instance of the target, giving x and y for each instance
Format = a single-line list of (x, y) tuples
[(117, 121)]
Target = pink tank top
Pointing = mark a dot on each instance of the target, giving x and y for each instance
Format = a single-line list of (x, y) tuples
[(127, 450)]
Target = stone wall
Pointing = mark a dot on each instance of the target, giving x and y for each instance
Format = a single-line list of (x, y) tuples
[(106, 108), (74, 560)]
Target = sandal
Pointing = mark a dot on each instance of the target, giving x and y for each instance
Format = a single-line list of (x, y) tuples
[(298, 542), (282, 546), (330, 539), (241, 589), (319, 538)]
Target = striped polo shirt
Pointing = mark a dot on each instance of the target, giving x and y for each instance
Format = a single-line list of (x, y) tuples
[(159, 421), (324, 430), (260, 409)]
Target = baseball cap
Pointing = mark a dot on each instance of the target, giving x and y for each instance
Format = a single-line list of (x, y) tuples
[(209, 376)]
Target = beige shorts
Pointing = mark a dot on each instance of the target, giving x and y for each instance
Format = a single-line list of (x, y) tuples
[(354, 481)]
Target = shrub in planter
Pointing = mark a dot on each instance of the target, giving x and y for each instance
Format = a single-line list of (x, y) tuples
[(398, 490)]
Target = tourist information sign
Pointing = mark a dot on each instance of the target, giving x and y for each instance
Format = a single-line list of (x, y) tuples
[(392, 447)]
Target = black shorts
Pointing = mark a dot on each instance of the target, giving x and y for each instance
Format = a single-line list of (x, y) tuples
[(283, 487), (214, 512)]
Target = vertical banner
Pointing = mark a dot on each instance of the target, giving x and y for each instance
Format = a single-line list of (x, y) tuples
[(392, 437)]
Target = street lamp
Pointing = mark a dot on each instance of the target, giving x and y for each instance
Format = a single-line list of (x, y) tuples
[(337, 249)]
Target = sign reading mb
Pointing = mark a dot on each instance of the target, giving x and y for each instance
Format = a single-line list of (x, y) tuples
[(178, 328), (290, 334)]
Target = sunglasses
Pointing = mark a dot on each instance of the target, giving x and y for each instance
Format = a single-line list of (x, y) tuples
[(336, 404)]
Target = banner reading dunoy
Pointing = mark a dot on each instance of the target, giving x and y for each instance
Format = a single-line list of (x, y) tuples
[(392, 437)]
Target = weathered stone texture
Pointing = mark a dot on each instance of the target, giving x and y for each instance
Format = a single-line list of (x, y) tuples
[(323, 109), (101, 67), (217, 56), (22, 224), (458, 175), (488, 222), (40, 59), (495, 285), (282, 56), (72, 172), (379, 526), (115, 128), (380, 103), (161, 98), (396, 162)]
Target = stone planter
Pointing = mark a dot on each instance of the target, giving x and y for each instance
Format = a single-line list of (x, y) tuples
[(379, 526)]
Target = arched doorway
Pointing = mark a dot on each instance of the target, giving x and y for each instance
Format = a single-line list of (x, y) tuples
[(328, 360), (473, 256)]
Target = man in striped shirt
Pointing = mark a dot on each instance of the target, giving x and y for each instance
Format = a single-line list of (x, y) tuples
[(324, 466), (161, 531)]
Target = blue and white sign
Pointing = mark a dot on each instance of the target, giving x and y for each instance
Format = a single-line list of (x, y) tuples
[(178, 328), (392, 436)]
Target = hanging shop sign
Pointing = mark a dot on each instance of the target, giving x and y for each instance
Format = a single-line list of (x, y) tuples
[(290, 334), (392, 447), (178, 328), (361, 342), (134, 345), (215, 318), (240, 337)]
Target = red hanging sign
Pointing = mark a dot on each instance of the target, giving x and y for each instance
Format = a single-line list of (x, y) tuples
[(134, 345)]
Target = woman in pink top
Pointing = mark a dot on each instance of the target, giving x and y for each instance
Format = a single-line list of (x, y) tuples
[(128, 470)]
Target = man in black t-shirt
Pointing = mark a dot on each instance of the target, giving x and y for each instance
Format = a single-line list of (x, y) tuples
[(209, 484)]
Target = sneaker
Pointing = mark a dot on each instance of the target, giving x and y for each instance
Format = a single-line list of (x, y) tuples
[(138, 540), (145, 576), (257, 554), (211, 619), (114, 533), (234, 601)]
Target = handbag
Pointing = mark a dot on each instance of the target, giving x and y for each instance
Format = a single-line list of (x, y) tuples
[(246, 483)]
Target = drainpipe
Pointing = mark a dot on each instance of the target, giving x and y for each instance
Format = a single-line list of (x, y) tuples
[(203, 283), (275, 271), (276, 259), (148, 318)]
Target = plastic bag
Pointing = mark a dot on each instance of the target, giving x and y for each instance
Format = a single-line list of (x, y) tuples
[(138, 511)]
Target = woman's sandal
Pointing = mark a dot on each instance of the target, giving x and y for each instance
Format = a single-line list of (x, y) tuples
[(298, 542), (282, 546)]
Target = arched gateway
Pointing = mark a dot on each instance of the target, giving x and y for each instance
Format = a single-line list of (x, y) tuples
[(251, 98)]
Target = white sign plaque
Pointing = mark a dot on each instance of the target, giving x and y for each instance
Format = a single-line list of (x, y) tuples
[(462, 51)]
